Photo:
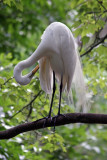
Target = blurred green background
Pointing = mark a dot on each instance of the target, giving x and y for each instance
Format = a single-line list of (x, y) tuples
[(21, 26)]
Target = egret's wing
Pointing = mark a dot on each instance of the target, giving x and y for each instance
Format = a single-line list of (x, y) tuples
[(68, 55), (73, 69)]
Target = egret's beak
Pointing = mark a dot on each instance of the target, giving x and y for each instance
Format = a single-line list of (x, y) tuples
[(34, 71)]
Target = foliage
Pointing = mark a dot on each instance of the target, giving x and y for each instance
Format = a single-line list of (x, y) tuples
[(21, 26)]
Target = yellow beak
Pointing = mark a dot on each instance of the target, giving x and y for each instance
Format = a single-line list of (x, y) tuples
[(34, 70)]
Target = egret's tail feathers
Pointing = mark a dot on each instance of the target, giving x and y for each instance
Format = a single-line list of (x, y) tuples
[(79, 87)]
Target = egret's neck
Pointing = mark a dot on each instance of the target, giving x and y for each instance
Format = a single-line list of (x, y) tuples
[(23, 80)]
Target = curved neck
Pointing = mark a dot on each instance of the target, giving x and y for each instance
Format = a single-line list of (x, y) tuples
[(23, 80)]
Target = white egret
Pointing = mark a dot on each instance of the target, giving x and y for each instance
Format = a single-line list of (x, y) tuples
[(58, 58)]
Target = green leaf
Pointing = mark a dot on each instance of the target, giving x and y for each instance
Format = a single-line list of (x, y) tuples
[(19, 6), (7, 2), (1, 80)]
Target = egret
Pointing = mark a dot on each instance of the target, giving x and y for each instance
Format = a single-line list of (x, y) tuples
[(58, 59)]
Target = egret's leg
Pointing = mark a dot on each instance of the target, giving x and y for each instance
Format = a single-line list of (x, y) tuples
[(61, 86), (54, 88), (59, 114)]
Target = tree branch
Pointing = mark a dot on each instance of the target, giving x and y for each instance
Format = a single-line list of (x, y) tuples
[(61, 120), (95, 12), (30, 103), (101, 3), (94, 45), (6, 82)]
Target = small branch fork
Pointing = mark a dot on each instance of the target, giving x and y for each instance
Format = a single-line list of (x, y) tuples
[(94, 45), (87, 118)]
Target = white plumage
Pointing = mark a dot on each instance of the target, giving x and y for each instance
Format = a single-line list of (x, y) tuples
[(56, 52)]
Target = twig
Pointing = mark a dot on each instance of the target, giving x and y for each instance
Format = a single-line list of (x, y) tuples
[(87, 118), (30, 111), (101, 3), (94, 45), (27, 104), (8, 80), (93, 12)]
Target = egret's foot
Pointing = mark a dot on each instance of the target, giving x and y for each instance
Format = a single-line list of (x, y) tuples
[(55, 117), (46, 118)]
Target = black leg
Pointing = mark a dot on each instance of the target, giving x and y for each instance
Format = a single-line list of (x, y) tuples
[(54, 88), (61, 86)]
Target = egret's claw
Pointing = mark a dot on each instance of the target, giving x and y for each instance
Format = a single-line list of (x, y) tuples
[(56, 118), (46, 118)]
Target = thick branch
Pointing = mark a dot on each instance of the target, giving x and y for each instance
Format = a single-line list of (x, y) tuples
[(61, 120), (94, 45)]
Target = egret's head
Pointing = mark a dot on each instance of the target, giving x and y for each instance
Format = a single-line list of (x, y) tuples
[(23, 80)]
